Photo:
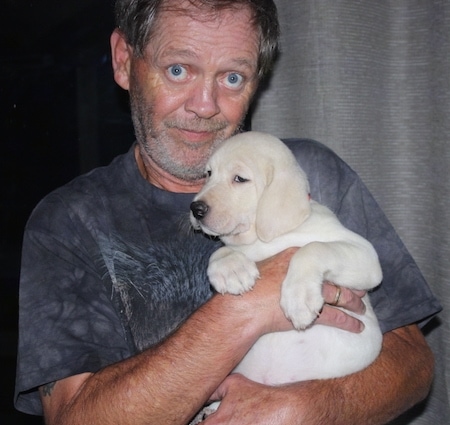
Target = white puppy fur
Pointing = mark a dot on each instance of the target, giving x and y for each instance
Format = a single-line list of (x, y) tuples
[(256, 199)]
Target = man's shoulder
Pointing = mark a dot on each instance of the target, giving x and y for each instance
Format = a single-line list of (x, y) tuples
[(85, 193), (319, 160), (307, 150), (120, 172)]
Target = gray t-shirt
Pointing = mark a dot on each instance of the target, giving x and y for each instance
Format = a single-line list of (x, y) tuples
[(110, 267)]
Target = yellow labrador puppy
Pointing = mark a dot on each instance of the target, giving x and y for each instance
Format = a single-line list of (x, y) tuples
[(256, 200)]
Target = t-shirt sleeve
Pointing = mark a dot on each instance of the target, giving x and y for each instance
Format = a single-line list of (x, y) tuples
[(403, 297), (67, 322)]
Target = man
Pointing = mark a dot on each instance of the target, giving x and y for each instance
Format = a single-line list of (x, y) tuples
[(117, 322)]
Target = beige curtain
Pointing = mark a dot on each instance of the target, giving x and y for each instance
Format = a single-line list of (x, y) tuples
[(371, 79)]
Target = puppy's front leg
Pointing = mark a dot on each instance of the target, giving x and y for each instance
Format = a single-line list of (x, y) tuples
[(301, 292), (231, 271), (347, 264)]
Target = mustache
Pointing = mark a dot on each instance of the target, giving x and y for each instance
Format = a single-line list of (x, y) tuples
[(198, 125)]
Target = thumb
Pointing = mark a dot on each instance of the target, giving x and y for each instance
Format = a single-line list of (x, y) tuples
[(223, 389), (220, 391)]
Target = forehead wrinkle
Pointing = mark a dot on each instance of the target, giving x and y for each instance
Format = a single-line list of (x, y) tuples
[(180, 52)]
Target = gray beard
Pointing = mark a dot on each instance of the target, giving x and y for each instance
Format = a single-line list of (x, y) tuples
[(156, 149), (155, 143)]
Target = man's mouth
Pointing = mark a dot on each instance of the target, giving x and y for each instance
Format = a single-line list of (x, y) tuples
[(198, 131), (195, 136)]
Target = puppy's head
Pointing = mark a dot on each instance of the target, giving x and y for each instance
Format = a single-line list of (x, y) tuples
[(254, 189)]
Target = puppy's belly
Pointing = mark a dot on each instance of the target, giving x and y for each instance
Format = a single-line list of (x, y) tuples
[(319, 352)]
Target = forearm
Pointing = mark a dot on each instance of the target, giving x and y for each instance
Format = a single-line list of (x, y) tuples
[(398, 379), (165, 384)]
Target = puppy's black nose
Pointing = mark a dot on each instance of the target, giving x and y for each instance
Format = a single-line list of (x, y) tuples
[(199, 209)]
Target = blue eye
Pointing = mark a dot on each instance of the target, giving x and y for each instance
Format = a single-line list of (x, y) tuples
[(177, 72), (234, 80)]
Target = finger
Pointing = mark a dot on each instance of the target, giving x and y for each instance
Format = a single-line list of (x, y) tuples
[(347, 298), (337, 318)]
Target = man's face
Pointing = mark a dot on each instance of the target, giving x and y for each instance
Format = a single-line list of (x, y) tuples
[(192, 88)]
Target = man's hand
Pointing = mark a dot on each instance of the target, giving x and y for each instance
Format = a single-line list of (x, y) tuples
[(247, 402), (350, 300), (401, 377)]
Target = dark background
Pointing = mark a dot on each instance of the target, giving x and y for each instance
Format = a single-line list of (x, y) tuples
[(61, 114)]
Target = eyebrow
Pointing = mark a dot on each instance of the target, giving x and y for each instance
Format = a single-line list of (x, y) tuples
[(189, 54)]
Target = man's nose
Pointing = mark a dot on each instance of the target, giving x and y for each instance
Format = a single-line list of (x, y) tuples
[(203, 99)]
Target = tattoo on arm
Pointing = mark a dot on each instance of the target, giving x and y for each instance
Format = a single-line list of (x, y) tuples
[(47, 389)]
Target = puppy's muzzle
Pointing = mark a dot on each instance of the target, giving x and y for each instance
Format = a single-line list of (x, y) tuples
[(199, 209)]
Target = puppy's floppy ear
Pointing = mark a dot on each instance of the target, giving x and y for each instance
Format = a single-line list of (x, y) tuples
[(285, 202)]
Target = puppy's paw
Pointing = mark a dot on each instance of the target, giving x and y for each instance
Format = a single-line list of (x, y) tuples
[(231, 272), (205, 412), (301, 302)]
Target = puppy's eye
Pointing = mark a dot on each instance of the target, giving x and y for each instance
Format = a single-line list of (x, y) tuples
[(239, 179), (207, 174)]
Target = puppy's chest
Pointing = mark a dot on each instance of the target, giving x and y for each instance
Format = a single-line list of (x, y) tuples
[(260, 250)]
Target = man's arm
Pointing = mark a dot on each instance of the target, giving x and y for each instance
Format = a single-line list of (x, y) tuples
[(163, 385), (399, 378), (169, 383)]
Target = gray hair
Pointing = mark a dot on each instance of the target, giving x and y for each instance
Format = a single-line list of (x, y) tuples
[(138, 18)]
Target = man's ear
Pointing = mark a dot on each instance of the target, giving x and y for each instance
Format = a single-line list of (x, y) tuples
[(121, 54)]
